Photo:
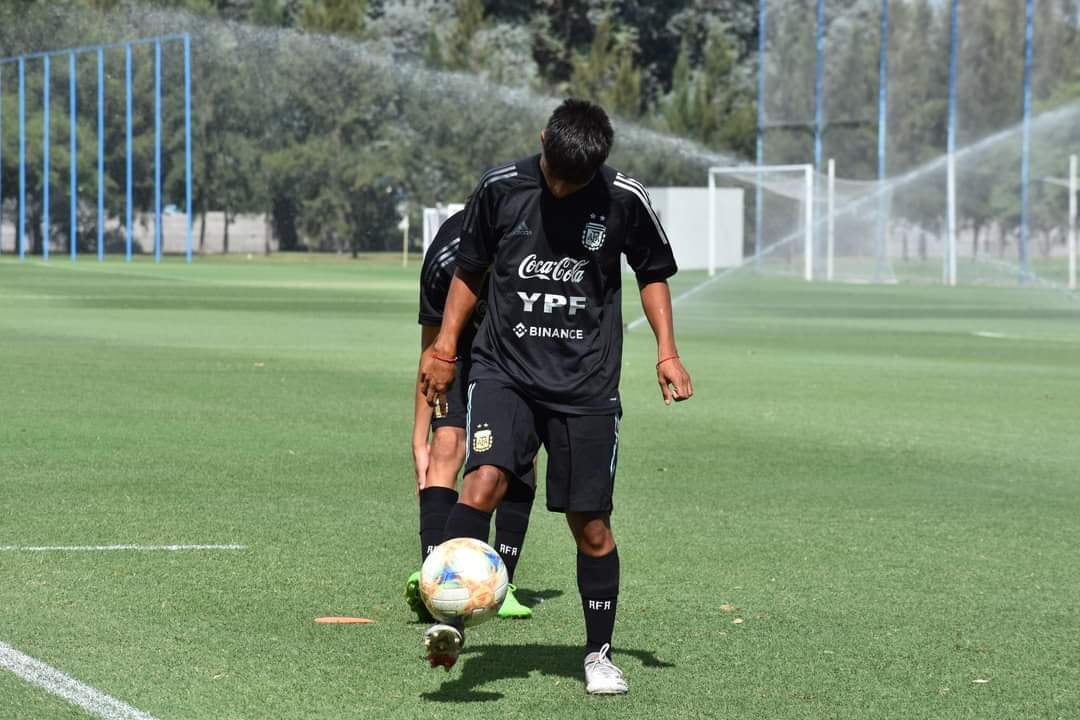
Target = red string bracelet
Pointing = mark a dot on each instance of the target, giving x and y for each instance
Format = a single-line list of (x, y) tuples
[(445, 359), (669, 357)]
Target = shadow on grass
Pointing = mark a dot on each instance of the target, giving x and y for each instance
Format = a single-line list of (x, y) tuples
[(532, 598), (482, 664), (528, 598)]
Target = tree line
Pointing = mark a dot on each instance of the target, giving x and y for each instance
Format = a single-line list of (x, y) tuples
[(335, 116)]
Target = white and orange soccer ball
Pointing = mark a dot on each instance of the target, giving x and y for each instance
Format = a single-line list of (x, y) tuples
[(463, 581)]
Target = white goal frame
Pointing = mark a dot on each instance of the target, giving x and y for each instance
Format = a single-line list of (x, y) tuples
[(433, 218), (1072, 184), (808, 219)]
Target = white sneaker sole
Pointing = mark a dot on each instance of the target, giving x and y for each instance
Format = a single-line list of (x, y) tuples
[(443, 644)]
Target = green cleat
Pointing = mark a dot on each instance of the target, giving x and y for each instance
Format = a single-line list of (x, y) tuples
[(511, 608), (415, 602)]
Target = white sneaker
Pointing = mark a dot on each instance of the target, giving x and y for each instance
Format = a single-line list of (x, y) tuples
[(601, 676), (443, 643)]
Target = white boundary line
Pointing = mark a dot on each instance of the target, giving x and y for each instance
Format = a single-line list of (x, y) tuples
[(52, 680), (104, 548)]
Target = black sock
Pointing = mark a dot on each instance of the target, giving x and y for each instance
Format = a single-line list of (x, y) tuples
[(467, 521), (598, 582), (435, 506), (511, 522)]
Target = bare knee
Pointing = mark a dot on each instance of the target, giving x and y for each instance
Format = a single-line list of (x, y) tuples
[(592, 533), (485, 487), (445, 457)]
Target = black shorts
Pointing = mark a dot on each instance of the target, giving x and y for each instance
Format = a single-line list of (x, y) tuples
[(456, 411), (505, 429), (455, 399)]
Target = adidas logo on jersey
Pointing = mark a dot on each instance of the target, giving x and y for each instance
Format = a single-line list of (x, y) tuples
[(521, 229)]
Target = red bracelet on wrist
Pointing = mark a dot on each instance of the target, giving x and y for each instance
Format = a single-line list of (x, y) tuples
[(445, 359), (669, 357)]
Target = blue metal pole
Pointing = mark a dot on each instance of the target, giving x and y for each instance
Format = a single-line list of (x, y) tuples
[(883, 106), (74, 193), (45, 160), (92, 48), (954, 37), (22, 159), (1025, 170), (758, 199), (819, 84), (1, 160), (819, 99), (157, 152), (951, 210), (127, 88), (187, 136), (101, 155)]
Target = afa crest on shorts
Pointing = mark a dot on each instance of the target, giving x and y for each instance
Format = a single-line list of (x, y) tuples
[(482, 439), (593, 237)]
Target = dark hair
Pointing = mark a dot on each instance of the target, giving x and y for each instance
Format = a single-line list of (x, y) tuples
[(577, 140)]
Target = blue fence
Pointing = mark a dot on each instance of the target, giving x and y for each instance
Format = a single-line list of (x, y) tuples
[(818, 124), (26, 63)]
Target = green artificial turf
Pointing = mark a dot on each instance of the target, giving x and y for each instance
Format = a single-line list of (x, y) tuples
[(868, 510)]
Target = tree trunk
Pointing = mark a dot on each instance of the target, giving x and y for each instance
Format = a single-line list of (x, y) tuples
[(72, 238), (283, 218), (34, 222), (200, 202), (225, 239)]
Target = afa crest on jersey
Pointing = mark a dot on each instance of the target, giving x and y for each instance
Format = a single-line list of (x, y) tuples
[(593, 237), (482, 439)]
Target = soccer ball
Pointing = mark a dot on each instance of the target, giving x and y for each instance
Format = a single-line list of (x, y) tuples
[(463, 581)]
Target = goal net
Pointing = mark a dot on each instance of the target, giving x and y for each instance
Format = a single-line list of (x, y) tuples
[(800, 223), (775, 216)]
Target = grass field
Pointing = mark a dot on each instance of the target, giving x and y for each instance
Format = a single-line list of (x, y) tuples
[(882, 482)]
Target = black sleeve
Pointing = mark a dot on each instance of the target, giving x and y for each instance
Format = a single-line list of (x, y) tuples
[(438, 270), (478, 235), (431, 310), (647, 249)]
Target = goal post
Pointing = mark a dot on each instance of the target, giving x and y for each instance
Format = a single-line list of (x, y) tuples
[(794, 183), (1071, 183), (433, 218), (1073, 189)]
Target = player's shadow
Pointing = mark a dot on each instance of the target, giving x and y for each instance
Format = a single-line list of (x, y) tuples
[(482, 664), (532, 598), (528, 598)]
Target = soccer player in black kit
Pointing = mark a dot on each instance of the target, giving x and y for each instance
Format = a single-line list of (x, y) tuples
[(438, 455), (551, 229)]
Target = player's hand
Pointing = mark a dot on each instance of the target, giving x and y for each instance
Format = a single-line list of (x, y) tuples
[(421, 454), (674, 381), (436, 377)]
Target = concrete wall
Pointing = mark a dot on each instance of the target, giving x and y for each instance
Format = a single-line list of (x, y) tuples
[(247, 234), (684, 213)]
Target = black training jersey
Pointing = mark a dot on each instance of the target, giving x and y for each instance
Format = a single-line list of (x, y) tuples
[(553, 328), (440, 260)]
